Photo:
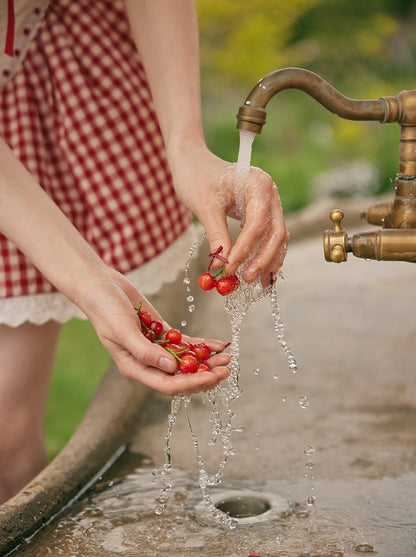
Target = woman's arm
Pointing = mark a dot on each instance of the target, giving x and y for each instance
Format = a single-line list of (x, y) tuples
[(32, 221), (166, 35)]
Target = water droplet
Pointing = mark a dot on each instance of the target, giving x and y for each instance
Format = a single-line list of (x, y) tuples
[(309, 464), (364, 548), (190, 299), (309, 450), (302, 514), (191, 308), (187, 280), (184, 323), (284, 398), (275, 376), (303, 402), (256, 371), (311, 500)]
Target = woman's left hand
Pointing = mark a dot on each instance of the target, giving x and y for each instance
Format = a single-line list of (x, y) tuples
[(213, 189)]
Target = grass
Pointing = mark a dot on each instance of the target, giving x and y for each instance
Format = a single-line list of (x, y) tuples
[(80, 364)]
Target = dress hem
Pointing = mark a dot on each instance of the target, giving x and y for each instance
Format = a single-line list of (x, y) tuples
[(54, 306)]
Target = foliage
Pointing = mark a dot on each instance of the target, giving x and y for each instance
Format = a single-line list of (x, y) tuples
[(365, 49), (244, 40), (343, 39)]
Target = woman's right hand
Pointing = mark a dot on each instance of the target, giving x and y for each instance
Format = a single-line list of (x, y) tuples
[(112, 313)]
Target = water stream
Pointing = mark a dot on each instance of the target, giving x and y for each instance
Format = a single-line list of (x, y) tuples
[(221, 398)]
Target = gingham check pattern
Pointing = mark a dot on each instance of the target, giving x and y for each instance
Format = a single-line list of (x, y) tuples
[(79, 115)]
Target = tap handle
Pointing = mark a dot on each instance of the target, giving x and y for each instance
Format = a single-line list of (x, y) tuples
[(335, 241), (336, 216)]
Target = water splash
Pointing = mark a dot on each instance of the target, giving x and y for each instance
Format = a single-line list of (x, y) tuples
[(221, 398)]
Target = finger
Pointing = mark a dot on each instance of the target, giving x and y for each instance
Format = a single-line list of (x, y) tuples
[(147, 353), (269, 257), (215, 224), (220, 359), (270, 273), (261, 219), (215, 345), (170, 385)]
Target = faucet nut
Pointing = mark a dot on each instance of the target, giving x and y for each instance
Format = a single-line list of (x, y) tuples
[(338, 254)]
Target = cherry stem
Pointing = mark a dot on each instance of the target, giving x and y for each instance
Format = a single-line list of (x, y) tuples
[(217, 255), (175, 354), (220, 272)]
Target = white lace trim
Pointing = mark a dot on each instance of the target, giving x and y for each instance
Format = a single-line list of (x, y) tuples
[(149, 279)]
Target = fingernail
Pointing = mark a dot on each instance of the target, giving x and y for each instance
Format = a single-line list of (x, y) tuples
[(166, 364)]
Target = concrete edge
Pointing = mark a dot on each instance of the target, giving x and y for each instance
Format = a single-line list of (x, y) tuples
[(104, 430)]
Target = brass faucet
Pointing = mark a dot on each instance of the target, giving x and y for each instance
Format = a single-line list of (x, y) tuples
[(396, 239)]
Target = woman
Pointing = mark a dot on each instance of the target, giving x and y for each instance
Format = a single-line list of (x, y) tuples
[(87, 197)]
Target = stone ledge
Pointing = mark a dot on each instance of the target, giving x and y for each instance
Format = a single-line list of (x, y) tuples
[(102, 434)]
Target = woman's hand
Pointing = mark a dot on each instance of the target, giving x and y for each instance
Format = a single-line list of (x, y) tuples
[(115, 320), (213, 190)]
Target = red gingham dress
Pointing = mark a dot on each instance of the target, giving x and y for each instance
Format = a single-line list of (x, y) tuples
[(78, 113)]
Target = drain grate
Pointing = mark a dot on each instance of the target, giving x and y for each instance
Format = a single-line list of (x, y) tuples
[(243, 506), (246, 506)]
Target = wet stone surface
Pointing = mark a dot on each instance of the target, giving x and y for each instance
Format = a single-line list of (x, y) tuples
[(337, 434)]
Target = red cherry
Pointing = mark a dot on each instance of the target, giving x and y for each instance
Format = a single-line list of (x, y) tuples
[(202, 351), (188, 363), (174, 336), (145, 318), (206, 281), (183, 346), (156, 327), (171, 347), (203, 367), (226, 285), (235, 280), (150, 335)]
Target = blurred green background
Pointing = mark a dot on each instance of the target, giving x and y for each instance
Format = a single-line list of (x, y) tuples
[(365, 49)]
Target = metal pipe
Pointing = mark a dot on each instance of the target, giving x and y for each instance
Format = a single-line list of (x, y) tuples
[(252, 115)]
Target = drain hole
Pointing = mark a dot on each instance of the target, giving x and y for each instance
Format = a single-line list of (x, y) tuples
[(243, 506)]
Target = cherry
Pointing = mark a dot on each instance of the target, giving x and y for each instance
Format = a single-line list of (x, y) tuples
[(156, 327), (174, 336), (235, 280), (188, 363), (226, 285), (202, 351), (145, 318), (184, 346), (206, 281), (202, 367), (150, 335), (190, 357)]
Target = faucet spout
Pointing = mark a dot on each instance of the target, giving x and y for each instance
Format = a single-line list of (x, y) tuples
[(394, 241), (252, 114)]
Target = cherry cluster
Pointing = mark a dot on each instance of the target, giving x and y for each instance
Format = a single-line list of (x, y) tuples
[(225, 284), (191, 358)]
